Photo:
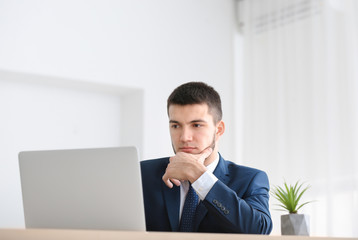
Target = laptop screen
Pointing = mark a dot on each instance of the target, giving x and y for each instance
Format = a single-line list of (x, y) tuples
[(82, 189)]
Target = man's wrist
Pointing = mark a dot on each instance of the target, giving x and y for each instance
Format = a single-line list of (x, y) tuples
[(204, 183)]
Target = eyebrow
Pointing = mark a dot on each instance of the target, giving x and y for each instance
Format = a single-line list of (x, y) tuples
[(193, 121)]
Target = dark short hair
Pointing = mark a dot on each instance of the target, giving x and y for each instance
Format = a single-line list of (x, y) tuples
[(197, 93)]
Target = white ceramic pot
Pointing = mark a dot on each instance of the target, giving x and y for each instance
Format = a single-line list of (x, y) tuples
[(295, 224)]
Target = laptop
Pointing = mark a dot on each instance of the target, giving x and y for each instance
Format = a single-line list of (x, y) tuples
[(82, 189)]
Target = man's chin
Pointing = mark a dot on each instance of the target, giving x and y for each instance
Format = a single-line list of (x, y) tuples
[(188, 151)]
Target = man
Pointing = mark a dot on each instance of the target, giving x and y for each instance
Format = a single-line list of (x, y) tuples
[(196, 189)]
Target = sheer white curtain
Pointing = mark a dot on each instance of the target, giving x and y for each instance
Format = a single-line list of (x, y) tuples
[(299, 103)]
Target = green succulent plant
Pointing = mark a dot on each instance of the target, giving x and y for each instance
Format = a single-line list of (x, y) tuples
[(289, 196)]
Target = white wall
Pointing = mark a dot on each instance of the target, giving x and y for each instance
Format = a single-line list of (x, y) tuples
[(39, 115), (154, 45), (149, 46)]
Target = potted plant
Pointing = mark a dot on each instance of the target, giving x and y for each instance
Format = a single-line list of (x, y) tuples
[(289, 197)]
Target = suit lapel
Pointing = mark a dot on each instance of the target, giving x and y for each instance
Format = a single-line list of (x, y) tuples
[(200, 213), (172, 202), (221, 172)]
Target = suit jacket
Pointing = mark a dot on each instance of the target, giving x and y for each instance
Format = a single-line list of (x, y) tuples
[(237, 203)]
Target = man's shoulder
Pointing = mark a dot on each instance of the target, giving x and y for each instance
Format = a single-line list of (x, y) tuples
[(159, 164), (156, 161), (153, 170), (234, 167), (246, 177)]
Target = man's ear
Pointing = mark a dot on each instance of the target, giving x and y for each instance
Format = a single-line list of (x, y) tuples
[(220, 129)]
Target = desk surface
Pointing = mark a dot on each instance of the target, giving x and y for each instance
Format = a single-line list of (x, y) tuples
[(50, 234)]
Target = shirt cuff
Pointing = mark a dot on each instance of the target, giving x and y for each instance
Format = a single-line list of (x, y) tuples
[(204, 183)]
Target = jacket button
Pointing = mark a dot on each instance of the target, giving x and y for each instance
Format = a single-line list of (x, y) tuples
[(215, 201), (226, 212)]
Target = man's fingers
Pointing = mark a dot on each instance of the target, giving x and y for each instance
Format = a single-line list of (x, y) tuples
[(176, 182), (205, 153), (169, 181)]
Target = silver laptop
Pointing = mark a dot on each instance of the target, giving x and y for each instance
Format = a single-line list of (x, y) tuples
[(82, 189)]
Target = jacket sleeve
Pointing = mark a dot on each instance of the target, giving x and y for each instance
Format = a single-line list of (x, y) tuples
[(244, 212)]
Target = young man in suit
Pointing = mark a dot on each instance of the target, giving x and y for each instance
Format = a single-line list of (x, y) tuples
[(197, 190)]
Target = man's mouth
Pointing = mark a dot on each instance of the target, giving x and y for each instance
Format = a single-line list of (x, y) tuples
[(187, 149)]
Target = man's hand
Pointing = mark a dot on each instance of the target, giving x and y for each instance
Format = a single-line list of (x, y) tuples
[(185, 166)]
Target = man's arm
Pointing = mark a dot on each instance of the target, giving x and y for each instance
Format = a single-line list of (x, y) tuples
[(246, 214)]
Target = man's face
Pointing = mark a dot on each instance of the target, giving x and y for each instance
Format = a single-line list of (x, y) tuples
[(192, 128)]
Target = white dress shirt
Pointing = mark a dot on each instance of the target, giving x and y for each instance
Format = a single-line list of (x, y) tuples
[(201, 186)]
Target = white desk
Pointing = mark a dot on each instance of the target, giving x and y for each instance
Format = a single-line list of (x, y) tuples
[(49, 234)]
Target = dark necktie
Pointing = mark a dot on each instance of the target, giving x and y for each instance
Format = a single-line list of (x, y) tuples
[(187, 216)]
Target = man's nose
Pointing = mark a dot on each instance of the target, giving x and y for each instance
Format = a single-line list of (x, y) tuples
[(186, 135)]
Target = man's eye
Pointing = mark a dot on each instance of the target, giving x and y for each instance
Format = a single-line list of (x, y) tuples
[(197, 125), (174, 126)]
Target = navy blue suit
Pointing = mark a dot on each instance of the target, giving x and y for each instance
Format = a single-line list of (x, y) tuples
[(237, 203)]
